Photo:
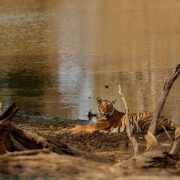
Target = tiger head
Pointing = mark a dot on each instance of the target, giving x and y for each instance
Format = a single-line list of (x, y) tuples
[(105, 107)]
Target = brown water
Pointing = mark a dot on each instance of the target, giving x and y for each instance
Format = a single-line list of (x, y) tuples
[(56, 54)]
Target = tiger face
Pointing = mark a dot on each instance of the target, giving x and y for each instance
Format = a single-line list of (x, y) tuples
[(105, 107)]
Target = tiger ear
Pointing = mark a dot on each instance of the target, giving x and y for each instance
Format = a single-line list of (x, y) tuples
[(113, 102), (99, 100)]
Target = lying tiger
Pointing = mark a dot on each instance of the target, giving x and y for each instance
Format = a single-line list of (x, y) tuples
[(112, 120)]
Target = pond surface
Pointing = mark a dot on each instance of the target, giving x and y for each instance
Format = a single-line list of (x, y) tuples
[(57, 56)]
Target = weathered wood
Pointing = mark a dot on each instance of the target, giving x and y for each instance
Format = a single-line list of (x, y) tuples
[(34, 141), (166, 89), (6, 143), (10, 134), (152, 141), (130, 134), (0, 108), (175, 150), (2, 145), (157, 157), (27, 152), (25, 138)]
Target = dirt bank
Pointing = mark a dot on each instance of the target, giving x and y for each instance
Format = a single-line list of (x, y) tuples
[(112, 148)]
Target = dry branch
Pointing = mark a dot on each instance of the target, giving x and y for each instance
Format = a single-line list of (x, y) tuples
[(34, 141), (11, 135), (0, 108), (129, 130), (6, 143), (158, 156), (166, 89), (175, 150), (166, 132), (150, 138), (27, 152)]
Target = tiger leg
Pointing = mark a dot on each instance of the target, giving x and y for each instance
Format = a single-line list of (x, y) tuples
[(84, 128)]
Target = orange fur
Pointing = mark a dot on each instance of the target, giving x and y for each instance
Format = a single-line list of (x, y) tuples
[(84, 128)]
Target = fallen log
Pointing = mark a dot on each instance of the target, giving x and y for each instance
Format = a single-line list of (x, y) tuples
[(157, 157), (14, 138), (10, 132), (34, 141)]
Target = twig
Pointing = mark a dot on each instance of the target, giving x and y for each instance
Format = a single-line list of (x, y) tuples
[(123, 99), (166, 132), (0, 108), (27, 152), (127, 124)]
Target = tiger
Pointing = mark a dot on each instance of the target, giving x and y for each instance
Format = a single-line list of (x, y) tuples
[(110, 119), (113, 120)]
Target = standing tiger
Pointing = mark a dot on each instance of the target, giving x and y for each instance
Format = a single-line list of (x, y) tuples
[(110, 119)]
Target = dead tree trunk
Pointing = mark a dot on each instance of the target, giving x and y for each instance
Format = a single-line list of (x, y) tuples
[(150, 137), (166, 89)]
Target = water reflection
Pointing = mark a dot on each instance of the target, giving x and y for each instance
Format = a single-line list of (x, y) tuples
[(56, 56)]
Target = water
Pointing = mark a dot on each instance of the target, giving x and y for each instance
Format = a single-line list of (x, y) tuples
[(57, 56)]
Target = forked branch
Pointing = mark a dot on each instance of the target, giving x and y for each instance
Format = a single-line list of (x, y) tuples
[(166, 89), (150, 137)]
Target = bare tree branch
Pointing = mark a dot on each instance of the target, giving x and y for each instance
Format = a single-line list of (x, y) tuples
[(129, 130), (0, 108), (150, 136), (166, 89), (167, 134)]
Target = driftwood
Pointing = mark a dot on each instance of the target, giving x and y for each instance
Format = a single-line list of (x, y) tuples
[(0, 108), (158, 155), (175, 150), (10, 134), (5, 120), (150, 137), (161, 156), (166, 89), (14, 138), (129, 130)]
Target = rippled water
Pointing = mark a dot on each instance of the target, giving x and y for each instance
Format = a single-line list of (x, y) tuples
[(57, 56)]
